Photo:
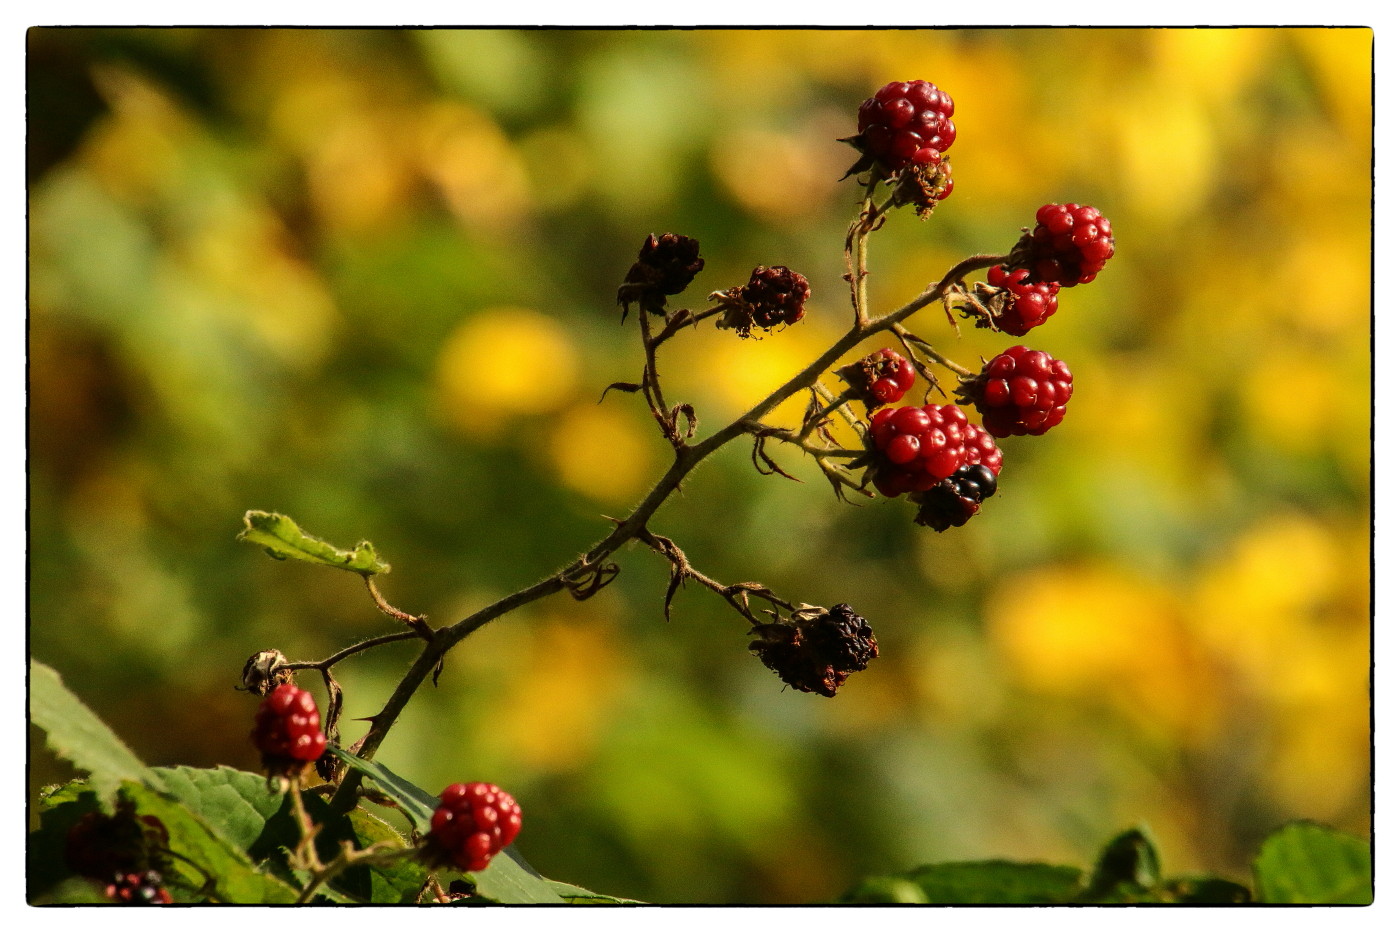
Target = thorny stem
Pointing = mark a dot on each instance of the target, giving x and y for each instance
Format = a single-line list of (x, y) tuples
[(651, 383), (687, 458), (345, 653), (736, 596), (418, 623), (682, 318)]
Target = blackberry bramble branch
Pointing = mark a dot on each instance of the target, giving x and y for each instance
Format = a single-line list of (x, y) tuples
[(932, 454)]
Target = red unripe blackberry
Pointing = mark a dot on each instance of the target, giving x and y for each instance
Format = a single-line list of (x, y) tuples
[(471, 824), (287, 730), (906, 122), (916, 447), (881, 378), (1069, 245), (980, 449), (1020, 391), (1027, 303), (776, 295)]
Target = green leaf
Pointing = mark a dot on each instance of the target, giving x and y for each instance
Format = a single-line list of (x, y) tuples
[(396, 882), (574, 894), (260, 821), (1305, 863), (992, 882), (1128, 865), (236, 879), (283, 538), (507, 880), (78, 735), (238, 802)]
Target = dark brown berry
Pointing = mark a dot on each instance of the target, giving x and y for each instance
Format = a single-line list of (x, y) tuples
[(817, 650), (665, 265)]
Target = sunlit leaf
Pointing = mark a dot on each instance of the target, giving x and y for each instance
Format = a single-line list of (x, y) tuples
[(1304, 863), (283, 538)]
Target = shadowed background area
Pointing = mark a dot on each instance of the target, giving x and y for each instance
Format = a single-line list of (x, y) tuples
[(367, 278)]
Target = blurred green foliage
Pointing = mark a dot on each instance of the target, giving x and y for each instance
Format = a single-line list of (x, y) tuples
[(366, 279)]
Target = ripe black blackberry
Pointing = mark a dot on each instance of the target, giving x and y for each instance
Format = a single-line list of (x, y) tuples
[(956, 499)]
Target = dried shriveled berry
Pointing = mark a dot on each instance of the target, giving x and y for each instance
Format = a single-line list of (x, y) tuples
[(471, 824), (287, 730), (774, 295), (817, 650), (665, 265)]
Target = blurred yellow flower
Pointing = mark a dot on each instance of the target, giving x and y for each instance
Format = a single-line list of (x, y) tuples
[(504, 362), (603, 452), (554, 710), (1105, 633)]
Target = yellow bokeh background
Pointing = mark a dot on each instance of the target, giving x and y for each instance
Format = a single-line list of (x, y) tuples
[(367, 278)]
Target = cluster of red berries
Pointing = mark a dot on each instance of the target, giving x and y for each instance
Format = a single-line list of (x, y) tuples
[(1020, 391), (1026, 302), (471, 824), (1069, 245), (881, 378), (906, 123), (818, 649), (947, 464), (287, 730), (916, 447)]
